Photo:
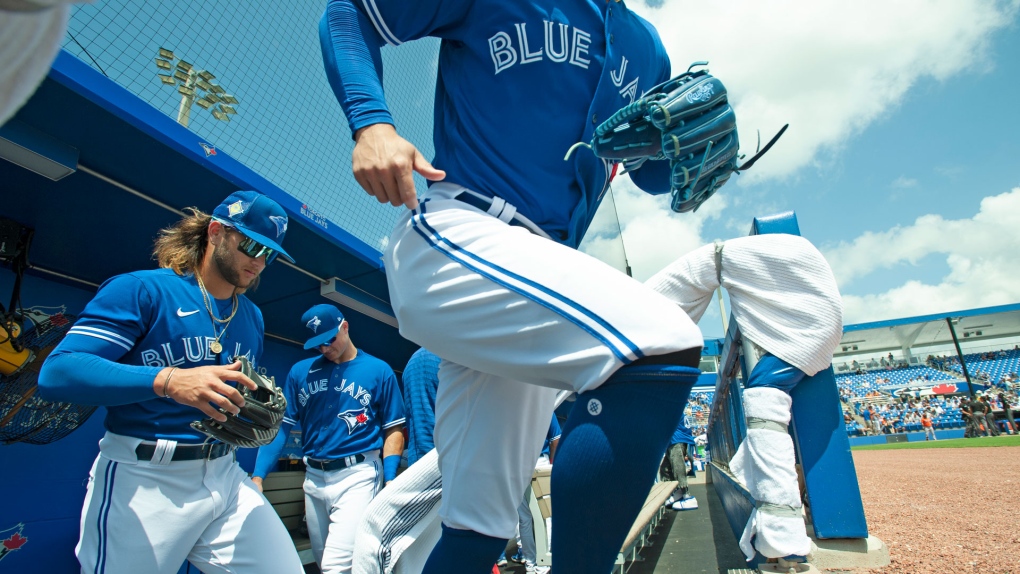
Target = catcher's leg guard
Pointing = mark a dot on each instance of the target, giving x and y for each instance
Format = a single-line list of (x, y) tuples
[(464, 551), (607, 458)]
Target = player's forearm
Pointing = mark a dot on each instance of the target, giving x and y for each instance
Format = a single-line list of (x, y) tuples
[(88, 379), (350, 52), (394, 442), (269, 454)]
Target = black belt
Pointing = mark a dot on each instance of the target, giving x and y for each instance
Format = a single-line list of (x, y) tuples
[(335, 464), (204, 451), (484, 204)]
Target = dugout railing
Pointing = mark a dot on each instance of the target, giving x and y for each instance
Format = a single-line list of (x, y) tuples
[(829, 486)]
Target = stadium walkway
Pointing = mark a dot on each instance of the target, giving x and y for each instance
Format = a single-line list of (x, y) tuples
[(689, 542)]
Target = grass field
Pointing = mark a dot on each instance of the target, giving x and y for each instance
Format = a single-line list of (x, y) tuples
[(1005, 440)]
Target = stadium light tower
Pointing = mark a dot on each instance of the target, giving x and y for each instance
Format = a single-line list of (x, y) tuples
[(196, 87)]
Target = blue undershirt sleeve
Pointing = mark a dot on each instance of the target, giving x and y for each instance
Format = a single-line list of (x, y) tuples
[(269, 454), (86, 378), (353, 62)]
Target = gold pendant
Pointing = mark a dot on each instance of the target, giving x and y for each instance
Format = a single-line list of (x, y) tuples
[(215, 347)]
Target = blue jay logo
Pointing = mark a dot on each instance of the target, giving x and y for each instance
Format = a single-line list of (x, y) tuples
[(354, 419), (313, 324), (281, 224)]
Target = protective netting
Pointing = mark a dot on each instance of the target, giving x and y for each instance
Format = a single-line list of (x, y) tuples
[(25, 417), (286, 124)]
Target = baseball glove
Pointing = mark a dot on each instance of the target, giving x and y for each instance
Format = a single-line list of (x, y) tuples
[(259, 419), (689, 122)]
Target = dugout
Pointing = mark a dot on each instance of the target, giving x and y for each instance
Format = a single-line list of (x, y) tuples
[(92, 172)]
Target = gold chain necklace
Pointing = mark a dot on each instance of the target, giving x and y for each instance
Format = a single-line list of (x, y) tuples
[(215, 345)]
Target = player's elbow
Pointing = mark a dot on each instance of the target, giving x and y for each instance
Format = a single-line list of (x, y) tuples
[(56, 372)]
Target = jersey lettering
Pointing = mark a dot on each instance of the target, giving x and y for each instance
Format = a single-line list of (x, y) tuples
[(505, 54), (362, 396), (190, 350)]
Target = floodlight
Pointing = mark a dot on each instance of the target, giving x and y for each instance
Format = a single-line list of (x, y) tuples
[(204, 103), (220, 115), (227, 98), (184, 66), (164, 53), (206, 75), (203, 84), (228, 109), (181, 75), (166, 79), (213, 98), (216, 88), (186, 91), (163, 64)]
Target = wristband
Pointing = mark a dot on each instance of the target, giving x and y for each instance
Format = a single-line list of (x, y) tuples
[(390, 464), (166, 383)]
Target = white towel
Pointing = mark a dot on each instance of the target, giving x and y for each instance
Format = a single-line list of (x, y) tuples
[(401, 525), (765, 464), (782, 293)]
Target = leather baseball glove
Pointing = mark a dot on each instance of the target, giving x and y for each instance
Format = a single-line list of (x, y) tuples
[(689, 122), (259, 419)]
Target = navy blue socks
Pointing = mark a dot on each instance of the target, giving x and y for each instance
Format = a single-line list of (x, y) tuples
[(464, 552), (606, 462)]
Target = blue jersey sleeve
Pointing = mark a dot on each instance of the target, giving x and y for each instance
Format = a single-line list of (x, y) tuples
[(84, 369), (351, 33)]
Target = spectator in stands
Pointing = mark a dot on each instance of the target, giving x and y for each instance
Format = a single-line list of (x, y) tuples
[(866, 415), (1007, 410), (929, 429)]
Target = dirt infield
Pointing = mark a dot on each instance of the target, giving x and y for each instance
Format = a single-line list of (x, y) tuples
[(944, 510)]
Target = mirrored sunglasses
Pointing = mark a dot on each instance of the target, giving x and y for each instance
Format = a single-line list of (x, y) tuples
[(254, 249), (329, 342)]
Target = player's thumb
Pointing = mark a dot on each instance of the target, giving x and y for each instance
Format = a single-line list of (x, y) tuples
[(422, 166)]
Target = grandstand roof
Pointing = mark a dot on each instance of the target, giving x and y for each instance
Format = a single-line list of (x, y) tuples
[(984, 324)]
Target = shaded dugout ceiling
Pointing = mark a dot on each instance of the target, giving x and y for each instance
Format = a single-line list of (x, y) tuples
[(101, 220)]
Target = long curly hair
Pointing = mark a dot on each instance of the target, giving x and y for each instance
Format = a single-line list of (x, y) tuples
[(181, 246)]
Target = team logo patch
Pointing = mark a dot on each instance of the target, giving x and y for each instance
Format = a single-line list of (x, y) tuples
[(281, 224), (313, 324), (208, 149), (237, 208), (11, 540), (354, 419)]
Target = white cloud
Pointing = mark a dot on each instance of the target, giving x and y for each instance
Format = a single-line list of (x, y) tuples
[(829, 68), (903, 182), (983, 254)]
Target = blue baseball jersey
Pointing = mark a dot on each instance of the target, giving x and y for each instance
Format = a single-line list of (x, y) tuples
[(552, 434), (342, 410), (421, 379), (682, 434), (145, 321), (554, 70)]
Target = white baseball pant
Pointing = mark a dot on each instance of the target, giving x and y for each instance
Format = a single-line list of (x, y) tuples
[(507, 306), (144, 517), (335, 500)]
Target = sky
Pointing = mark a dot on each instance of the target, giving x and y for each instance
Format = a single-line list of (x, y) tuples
[(902, 160)]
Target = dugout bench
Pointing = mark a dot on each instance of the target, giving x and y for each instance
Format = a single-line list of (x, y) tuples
[(641, 531), (284, 491)]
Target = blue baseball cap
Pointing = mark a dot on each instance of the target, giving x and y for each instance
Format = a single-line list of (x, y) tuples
[(257, 217), (324, 322)]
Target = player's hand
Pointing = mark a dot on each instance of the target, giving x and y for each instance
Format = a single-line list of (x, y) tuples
[(258, 482), (384, 164), (206, 388)]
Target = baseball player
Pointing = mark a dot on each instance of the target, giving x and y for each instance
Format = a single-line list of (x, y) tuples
[(484, 271), (348, 407), (674, 468), (421, 379), (156, 348)]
